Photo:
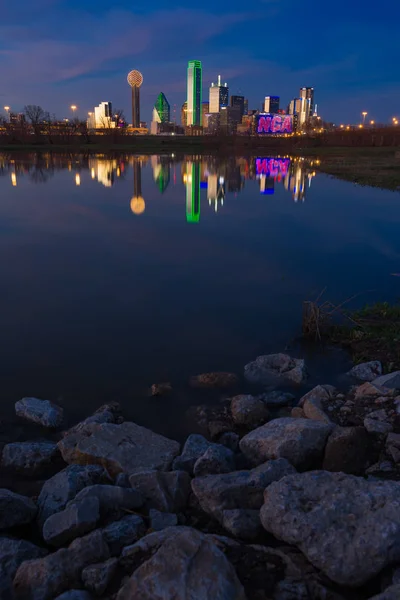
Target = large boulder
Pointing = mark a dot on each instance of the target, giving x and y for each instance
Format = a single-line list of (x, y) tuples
[(75, 595), (242, 523), (240, 489), (13, 553), (119, 448), (96, 578), (319, 392), (107, 413), (391, 380), (124, 532), (29, 458), (113, 500), (248, 410), (367, 371), (276, 398), (15, 509), (62, 487), (391, 593), (42, 412), (348, 450), (300, 441), (216, 459), (185, 565), (165, 491), (46, 578), (219, 380), (346, 526), (160, 520), (275, 368), (76, 520), (194, 447)]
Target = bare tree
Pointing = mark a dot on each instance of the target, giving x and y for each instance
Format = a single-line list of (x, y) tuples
[(36, 116), (119, 117)]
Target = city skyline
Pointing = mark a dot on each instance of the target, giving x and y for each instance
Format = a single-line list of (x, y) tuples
[(43, 60)]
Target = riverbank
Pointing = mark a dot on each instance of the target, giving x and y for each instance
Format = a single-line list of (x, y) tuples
[(279, 494)]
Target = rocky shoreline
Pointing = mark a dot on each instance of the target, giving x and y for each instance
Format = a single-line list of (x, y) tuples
[(282, 498)]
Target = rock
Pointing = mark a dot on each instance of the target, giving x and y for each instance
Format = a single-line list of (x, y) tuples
[(242, 523), (122, 480), (76, 520), (391, 380), (346, 526), (378, 427), (96, 578), (124, 532), (15, 509), (230, 440), (112, 500), (347, 450), (379, 415), (217, 427), (64, 486), (108, 413), (241, 489), (194, 447), (248, 410), (119, 448), (275, 367), (320, 392), (13, 553), (160, 520), (300, 441), (276, 399), (167, 492), (214, 380), (216, 459), (297, 413), (75, 595), (161, 389), (313, 409), (367, 371), (186, 565), (42, 412), (46, 578), (393, 441), (369, 390), (29, 457), (391, 593)]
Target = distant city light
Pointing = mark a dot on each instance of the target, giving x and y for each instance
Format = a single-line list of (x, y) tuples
[(77, 179), (14, 179)]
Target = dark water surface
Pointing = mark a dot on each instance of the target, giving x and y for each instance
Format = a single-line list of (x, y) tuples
[(120, 272)]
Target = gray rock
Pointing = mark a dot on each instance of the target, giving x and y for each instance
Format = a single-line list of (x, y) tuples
[(314, 410), (241, 489), (112, 499), (46, 578), (273, 368), (300, 441), (391, 380), (319, 392), (62, 487), (391, 593), (370, 390), (230, 440), (122, 480), (186, 565), (124, 532), (96, 578), (346, 526), (13, 553), (160, 520), (29, 457), (108, 413), (242, 523), (76, 520), (219, 380), (165, 491), (75, 595), (248, 411), (119, 448), (347, 450), (42, 412), (376, 426), (367, 371), (161, 389), (216, 459), (297, 413), (15, 509), (276, 399), (194, 447)]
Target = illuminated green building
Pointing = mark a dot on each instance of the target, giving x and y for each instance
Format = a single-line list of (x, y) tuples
[(192, 192), (162, 110)]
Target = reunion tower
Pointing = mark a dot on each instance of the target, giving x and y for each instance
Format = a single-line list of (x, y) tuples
[(135, 80)]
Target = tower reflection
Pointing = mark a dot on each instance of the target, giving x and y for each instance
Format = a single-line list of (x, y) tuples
[(138, 204)]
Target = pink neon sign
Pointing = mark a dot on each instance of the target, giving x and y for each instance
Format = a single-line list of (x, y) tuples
[(269, 123), (272, 167)]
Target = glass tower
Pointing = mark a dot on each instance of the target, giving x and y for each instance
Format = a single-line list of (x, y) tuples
[(194, 88), (162, 109), (219, 94)]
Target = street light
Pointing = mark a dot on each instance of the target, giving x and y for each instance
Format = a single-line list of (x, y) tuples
[(73, 108), (7, 109), (372, 122), (364, 114)]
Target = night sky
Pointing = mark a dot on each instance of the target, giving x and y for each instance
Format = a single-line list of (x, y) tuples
[(61, 52)]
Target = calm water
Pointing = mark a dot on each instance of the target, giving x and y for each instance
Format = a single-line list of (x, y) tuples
[(117, 273)]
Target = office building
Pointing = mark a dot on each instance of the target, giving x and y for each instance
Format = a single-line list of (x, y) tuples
[(307, 104), (238, 102), (135, 80), (101, 117), (194, 93), (213, 123), (294, 107), (246, 106), (205, 109), (219, 95), (161, 110), (229, 119), (271, 104), (184, 114)]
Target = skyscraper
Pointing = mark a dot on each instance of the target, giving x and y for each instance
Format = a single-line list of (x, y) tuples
[(271, 104), (307, 104), (161, 111), (219, 94), (238, 102), (102, 117), (194, 92), (294, 106), (184, 114), (135, 80)]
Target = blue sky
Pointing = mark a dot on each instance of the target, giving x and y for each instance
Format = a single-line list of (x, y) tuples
[(61, 52)]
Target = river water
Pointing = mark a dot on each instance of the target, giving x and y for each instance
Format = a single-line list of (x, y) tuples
[(118, 272)]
